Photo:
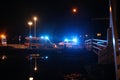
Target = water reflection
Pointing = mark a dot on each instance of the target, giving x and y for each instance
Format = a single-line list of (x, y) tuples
[(34, 60), (22, 65), (3, 57), (44, 64), (31, 78)]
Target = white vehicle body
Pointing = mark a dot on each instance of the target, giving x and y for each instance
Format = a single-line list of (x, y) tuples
[(4, 41), (69, 44)]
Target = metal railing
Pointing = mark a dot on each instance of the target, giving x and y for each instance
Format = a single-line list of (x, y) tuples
[(97, 45)]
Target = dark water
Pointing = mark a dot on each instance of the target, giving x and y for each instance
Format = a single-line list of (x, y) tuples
[(59, 63)]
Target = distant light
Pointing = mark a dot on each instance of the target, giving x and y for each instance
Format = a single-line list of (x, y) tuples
[(46, 37), (55, 46), (4, 57), (46, 57), (3, 36), (110, 8), (35, 68), (74, 40), (74, 10), (30, 23), (86, 35), (30, 78), (66, 40), (35, 18), (98, 34), (80, 35), (42, 37), (42, 57), (30, 36)]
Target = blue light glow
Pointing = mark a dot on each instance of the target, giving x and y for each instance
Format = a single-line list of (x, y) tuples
[(46, 37), (74, 40), (30, 36), (42, 37), (66, 40), (46, 57)]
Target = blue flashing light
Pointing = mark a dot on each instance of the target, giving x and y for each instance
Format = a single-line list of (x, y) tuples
[(46, 57), (30, 36), (74, 40), (42, 37), (66, 40), (46, 37)]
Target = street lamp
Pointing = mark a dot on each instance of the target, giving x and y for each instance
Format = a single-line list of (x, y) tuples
[(74, 10), (30, 24), (3, 36), (35, 19)]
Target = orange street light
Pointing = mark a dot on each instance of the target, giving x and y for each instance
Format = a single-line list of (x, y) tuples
[(3, 36), (74, 10), (98, 34), (35, 18), (30, 24)]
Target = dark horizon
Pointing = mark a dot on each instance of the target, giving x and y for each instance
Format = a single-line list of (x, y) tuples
[(55, 18)]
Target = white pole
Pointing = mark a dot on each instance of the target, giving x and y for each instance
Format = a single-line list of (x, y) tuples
[(114, 33), (35, 28)]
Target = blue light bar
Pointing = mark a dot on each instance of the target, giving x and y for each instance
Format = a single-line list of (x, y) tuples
[(74, 40), (46, 57), (66, 40), (30, 36), (46, 37), (42, 37)]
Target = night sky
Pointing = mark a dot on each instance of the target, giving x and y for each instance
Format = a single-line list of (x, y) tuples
[(55, 17)]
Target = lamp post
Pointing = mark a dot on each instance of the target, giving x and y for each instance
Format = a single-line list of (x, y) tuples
[(35, 19), (112, 11), (30, 24)]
